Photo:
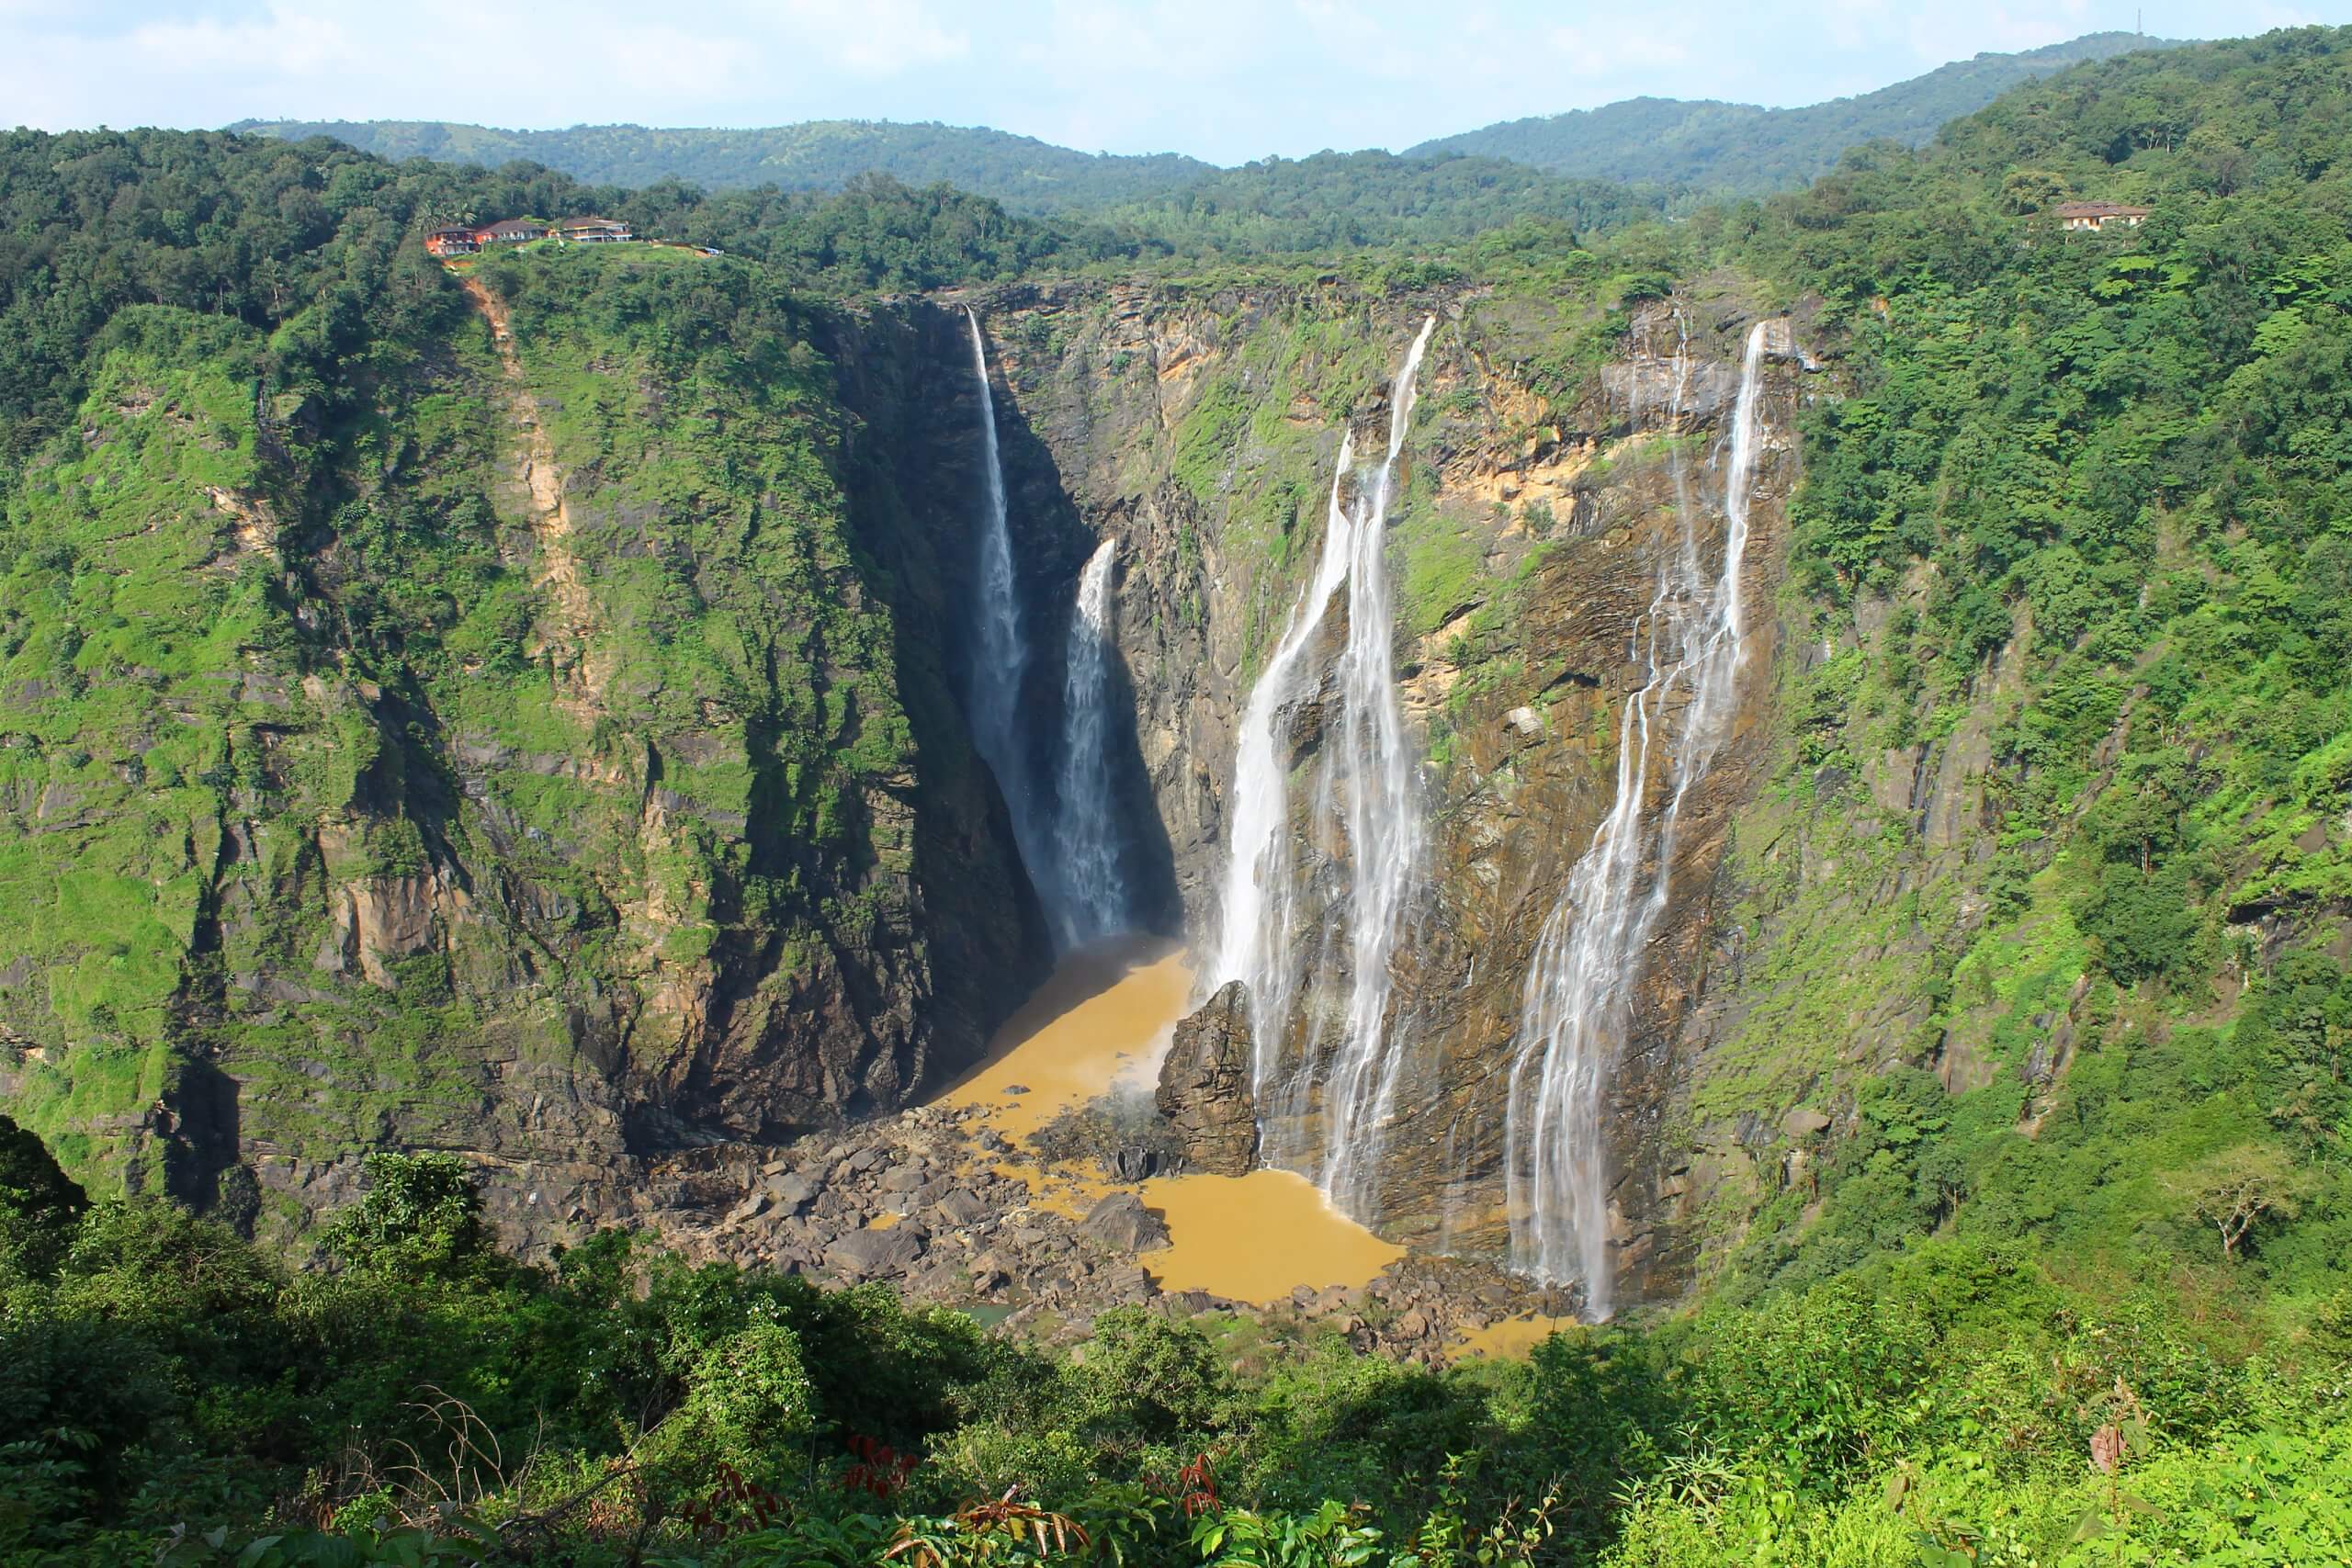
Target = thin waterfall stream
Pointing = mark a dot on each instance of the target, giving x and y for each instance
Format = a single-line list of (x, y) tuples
[(993, 684), (1578, 1003), (1368, 797)]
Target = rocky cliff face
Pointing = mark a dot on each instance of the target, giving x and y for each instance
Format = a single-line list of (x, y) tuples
[(1199, 429), (661, 827), (559, 770)]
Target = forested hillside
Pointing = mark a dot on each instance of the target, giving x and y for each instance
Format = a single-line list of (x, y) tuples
[(1711, 149), (2000, 1138), (1026, 175), (1719, 148)]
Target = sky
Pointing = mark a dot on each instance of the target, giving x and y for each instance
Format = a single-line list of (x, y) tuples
[(1224, 80)]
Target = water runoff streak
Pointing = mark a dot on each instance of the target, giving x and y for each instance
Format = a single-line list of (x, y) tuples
[(1368, 795), (1580, 983)]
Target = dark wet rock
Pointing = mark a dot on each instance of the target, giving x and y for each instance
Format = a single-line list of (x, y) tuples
[(1205, 1086), (1137, 1164)]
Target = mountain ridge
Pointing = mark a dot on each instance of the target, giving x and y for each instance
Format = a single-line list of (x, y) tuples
[(1723, 148), (1708, 145)]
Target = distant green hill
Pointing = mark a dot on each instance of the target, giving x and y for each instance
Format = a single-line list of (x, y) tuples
[(1703, 148), (1741, 148), (1025, 173)]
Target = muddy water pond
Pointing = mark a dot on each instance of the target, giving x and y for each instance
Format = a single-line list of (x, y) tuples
[(1103, 1020)]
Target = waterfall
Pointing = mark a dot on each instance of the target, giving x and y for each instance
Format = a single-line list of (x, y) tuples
[(1367, 797), (1094, 893), (1069, 848), (1578, 1003), (993, 686)]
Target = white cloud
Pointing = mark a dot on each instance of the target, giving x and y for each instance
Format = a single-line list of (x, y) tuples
[(281, 43), (1617, 50), (875, 37)]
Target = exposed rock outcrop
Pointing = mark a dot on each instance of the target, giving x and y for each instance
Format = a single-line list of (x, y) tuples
[(1122, 1222), (1205, 1086)]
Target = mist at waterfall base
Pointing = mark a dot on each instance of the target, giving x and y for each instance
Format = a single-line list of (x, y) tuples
[(1368, 797), (1068, 837), (1577, 1004)]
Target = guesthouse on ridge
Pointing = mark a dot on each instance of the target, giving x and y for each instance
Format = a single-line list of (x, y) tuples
[(2090, 217), (512, 232), (451, 242), (593, 230)]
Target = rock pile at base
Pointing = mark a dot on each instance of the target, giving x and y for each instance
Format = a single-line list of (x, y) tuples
[(932, 1204)]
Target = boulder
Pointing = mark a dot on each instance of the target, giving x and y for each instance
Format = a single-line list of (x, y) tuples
[(1205, 1086), (1804, 1122), (863, 1255), (790, 1193), (961, 1207), (1123, 1222)]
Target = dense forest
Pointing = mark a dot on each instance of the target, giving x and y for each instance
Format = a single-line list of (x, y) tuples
[(2087, 493), (1026, 175)]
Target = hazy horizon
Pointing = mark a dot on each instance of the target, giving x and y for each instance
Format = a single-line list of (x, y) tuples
[(1226, 81)]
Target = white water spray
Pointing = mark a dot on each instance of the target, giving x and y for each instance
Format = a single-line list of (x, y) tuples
[(1095, 901), (1577, 1004), (1368, 795)]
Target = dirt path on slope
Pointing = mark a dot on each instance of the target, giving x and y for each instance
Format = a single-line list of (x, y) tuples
[(574, 619)]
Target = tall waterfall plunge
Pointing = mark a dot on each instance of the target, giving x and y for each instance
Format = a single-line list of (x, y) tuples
[(1580, 983), (1095, 902), (1069, 845), (993, 686), (1368, 797)]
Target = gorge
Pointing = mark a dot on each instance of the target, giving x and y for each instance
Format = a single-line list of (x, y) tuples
[(1319, 774), (880, 877)]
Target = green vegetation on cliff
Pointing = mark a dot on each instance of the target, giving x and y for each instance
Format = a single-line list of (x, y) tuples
[(389, 705), (2082, 521)]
